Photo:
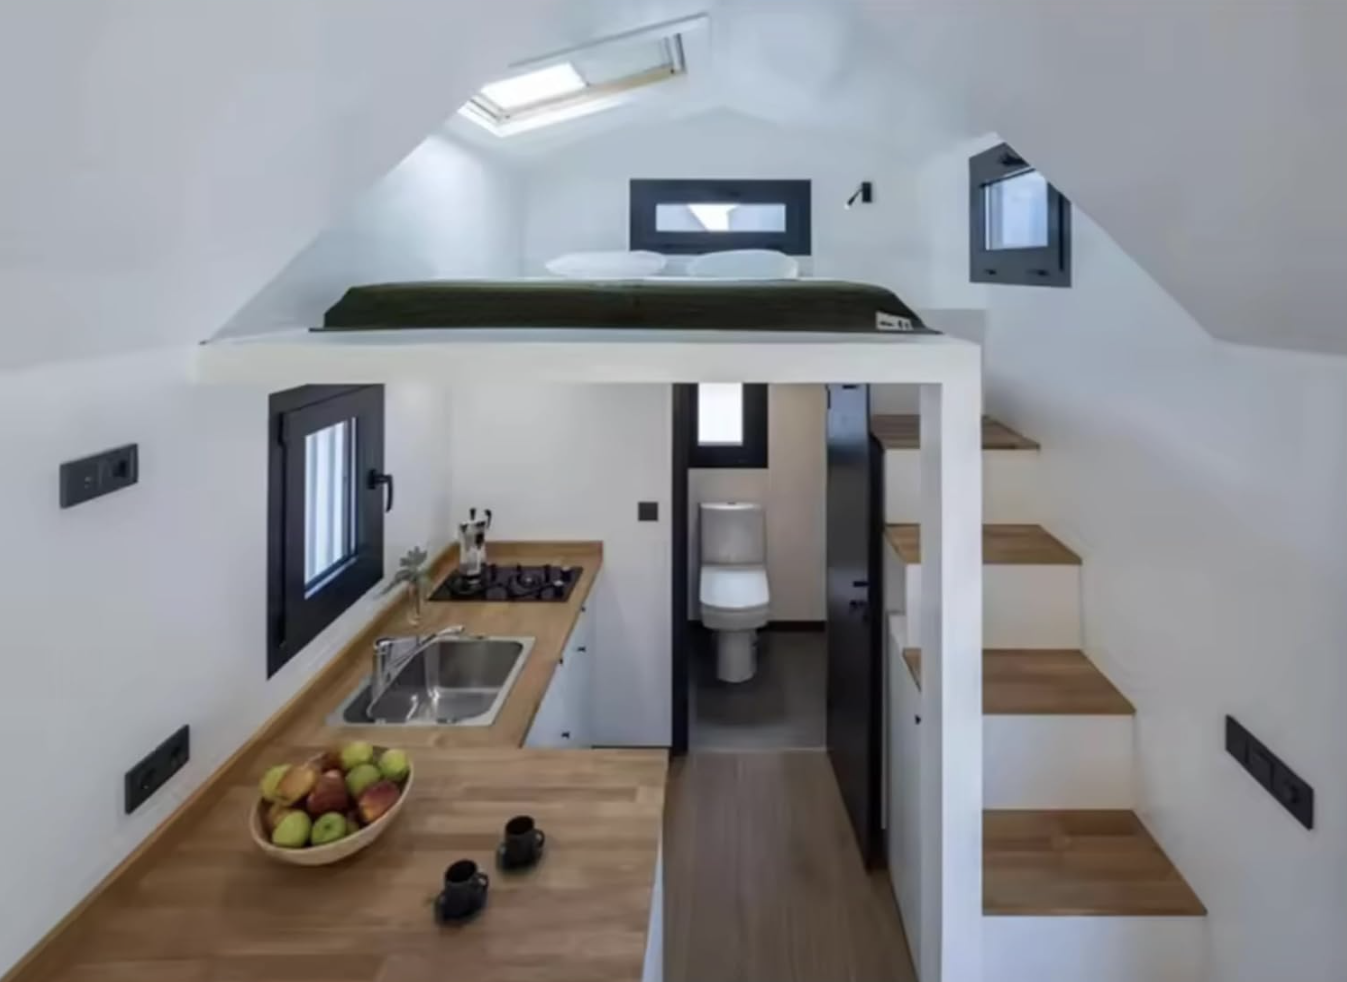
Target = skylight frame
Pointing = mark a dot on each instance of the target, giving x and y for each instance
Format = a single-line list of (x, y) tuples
[(503, 122)]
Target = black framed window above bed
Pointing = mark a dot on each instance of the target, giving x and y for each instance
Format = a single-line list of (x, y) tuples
[(689, 217), (729, 426), (327, 494)]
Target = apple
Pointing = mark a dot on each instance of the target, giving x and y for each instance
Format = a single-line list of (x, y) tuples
[(328, 828), (328, 760), (328, 795), (355, 754), (394, 765), (295, 783), (292, 831), (360, 778), (271, 779), (273, 815), (377, 799)]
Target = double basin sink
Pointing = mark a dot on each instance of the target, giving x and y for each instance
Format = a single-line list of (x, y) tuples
[(453, 680)]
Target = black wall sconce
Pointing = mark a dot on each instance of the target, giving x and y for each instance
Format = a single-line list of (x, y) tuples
[(865, 194)]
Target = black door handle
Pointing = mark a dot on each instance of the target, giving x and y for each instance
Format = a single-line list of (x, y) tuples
[(377, 480), (856, 604)]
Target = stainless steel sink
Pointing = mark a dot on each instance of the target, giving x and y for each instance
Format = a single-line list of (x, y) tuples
[(447, 681)]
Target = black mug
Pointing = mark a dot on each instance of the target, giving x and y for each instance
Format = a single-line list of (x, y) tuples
[(464, 890), (523, 841)]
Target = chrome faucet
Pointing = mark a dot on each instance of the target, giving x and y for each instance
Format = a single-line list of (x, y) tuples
[(391, 656)]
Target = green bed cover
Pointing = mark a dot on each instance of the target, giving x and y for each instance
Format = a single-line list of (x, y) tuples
[(713, 305)]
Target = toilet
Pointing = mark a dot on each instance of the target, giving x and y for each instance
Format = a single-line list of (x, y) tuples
[(733, 593)]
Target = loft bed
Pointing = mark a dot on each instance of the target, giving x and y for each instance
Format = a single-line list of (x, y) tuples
[(657, 330), (660, 303)]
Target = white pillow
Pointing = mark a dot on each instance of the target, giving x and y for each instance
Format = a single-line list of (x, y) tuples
[(606, 265), (745, 264)]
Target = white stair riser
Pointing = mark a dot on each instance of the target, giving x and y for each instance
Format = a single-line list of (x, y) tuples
[(1022, 606), (1009, 486), (1100, 949), (1057, 762)]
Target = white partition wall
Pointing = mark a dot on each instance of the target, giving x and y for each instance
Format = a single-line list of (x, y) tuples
[(951, 626)]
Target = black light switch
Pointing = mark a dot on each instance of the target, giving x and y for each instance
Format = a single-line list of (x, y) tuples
[(647, 511), (92, 477), (1265, 767)]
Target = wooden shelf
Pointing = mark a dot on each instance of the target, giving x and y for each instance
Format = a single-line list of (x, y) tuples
[(903, 432), (1064, 863), (1002, 545), (1040, 682)]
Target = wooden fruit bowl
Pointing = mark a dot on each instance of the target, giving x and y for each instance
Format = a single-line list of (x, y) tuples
[(333, 852)]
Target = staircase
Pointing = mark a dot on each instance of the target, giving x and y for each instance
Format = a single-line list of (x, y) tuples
[(1074, 886)]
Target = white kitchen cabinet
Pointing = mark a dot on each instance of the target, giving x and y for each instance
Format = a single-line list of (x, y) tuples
[(563, 717)]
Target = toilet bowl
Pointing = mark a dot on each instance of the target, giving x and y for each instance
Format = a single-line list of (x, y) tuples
[(734, 593)]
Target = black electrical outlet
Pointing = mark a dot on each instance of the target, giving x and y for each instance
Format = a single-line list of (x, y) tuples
[(92, 477), (1265, 767), (153, 772), (647, 511)]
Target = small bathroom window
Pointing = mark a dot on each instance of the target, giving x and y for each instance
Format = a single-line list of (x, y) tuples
[(730, 426)]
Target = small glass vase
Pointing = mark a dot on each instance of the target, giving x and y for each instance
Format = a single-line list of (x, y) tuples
[(416, 600)]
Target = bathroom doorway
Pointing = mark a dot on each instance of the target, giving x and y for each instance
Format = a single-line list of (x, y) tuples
[(750, 575)]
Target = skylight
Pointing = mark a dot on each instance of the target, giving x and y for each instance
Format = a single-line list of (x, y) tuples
[(583, 80), (534, 87)]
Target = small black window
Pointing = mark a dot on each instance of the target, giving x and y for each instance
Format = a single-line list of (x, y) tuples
[(692, 217), (729, 425), (1019, 224), (325, 504)]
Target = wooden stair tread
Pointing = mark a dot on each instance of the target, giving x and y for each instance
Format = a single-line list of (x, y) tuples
[(1063, 863), (1002, 545), (1040, 682), (903, 432)]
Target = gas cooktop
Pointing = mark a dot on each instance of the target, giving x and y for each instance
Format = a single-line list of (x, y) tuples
[(504, 582)]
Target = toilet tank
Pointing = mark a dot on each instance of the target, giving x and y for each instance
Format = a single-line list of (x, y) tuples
[(733, 534)]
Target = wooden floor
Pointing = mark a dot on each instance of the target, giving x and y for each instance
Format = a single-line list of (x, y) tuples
[(1040, 682), (1081, 863), (903, 432), (763, 879), (1002, 545)]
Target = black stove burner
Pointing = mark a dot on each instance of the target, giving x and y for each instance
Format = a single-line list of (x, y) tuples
[(511, 583)]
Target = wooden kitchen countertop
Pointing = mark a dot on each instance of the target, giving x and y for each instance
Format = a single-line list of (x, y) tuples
[(201, 903)]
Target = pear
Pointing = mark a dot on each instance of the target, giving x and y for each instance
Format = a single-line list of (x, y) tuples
[(394, 765), (360, 778), (271, 779), (328, 828), (355, 754), (292, 831)]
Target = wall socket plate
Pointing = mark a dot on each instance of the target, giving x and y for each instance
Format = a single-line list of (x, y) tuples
[(156, 767), (1265, 767), (92, 477)]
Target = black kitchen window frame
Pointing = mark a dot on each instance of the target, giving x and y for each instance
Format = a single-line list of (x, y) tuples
[(1047, 265), (750, 453), (299, 608), (647, 194)]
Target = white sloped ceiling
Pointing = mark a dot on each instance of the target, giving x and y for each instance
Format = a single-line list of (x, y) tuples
[(162, 160), (1206, 136)]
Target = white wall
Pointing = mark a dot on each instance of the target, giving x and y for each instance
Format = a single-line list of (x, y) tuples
[(792, 490), (577, 198), (169, 576), (445, 211), (571, 462), (1204, 485), (130, 615)]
